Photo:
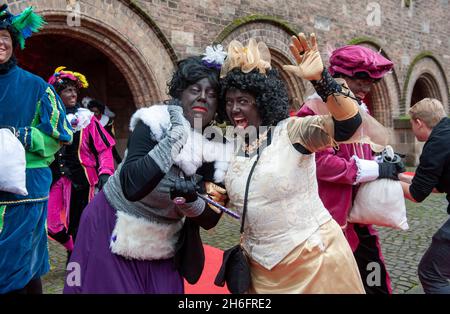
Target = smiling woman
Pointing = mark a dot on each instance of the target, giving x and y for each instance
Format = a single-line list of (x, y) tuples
[(241, 108), (6, 46), (144, 233), (196, 89), (292, 243), (200, 101)]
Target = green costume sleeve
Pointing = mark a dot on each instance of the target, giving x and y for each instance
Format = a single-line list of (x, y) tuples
[(49, 129)]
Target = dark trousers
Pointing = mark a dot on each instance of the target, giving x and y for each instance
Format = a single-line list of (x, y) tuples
[(33, 287), (434, 267), (79, 199), (367, 252)]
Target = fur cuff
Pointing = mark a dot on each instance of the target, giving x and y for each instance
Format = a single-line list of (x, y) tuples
[(197, 148), (367, 170), (138, 238)]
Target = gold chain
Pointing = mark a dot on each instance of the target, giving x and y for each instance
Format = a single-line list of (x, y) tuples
[(250, 148)]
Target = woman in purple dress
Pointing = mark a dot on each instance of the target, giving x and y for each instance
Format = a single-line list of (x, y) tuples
[(133, 238)]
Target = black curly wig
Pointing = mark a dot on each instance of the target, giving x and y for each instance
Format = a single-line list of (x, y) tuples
[(269, 91), (190, 71)]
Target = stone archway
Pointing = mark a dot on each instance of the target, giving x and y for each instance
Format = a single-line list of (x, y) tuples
[(425, 79), (107, 84), (278, 38), (425, 87), (382, 103), (134, 45)]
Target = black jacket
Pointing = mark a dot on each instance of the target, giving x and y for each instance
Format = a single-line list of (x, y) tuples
[(434, 167)]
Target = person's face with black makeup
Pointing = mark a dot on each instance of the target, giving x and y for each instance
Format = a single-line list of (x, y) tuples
[(199, 101), (69, 96), (241, 109), (360, 87)]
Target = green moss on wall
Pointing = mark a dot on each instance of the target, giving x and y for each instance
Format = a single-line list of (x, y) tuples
[(420, 56), (252, 19), (362, 40)]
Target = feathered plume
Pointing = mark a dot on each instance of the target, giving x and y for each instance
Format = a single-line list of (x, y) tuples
[(26, 24)]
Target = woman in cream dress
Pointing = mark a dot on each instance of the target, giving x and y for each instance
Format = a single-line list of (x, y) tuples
[(293, 244)]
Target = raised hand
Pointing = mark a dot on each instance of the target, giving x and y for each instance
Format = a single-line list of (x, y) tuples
[(309, 63), (178, 132)]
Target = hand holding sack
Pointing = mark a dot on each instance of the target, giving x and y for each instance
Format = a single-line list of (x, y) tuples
[(381, 202)]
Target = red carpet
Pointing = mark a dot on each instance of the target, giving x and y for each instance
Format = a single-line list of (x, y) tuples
[(205, 285)]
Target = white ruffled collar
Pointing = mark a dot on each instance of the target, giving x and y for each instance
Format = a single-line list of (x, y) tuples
[(80, 119)]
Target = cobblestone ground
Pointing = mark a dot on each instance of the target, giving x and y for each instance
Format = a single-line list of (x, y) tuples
[(402, 249)]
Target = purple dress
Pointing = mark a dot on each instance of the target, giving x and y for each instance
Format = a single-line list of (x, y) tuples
[(98, 270)]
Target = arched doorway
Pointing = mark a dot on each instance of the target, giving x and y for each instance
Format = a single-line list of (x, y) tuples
[(425, 87), (295, 87), (133, 57), (106, 83), (425, 78)]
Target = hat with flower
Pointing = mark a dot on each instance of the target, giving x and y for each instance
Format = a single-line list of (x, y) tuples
[(63, 78), (214, 56)]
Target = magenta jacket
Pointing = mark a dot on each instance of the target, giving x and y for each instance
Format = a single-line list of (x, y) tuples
[(336, 175), (103, 144)]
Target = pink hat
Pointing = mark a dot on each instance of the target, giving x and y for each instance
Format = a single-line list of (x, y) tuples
[(349, 60)]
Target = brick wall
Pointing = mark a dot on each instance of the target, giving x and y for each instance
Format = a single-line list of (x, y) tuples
[(158, 32)]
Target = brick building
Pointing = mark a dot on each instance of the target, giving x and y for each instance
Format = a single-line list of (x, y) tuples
[(128, 49)]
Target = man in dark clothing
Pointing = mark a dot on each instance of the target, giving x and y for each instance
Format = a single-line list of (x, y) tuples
[(431, 125)]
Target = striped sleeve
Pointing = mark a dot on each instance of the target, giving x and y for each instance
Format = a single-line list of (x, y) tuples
[(49, 127)]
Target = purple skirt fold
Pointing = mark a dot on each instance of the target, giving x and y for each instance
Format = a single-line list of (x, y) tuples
[(93, 268)]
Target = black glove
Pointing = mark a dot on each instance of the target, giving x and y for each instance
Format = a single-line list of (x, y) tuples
[(102, 180), (390, 170), (184, 188)]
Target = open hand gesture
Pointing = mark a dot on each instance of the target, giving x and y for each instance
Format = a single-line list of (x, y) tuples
[(309, 63)]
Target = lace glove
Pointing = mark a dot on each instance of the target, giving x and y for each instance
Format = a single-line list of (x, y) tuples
[(171, 145), (310, 67)]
